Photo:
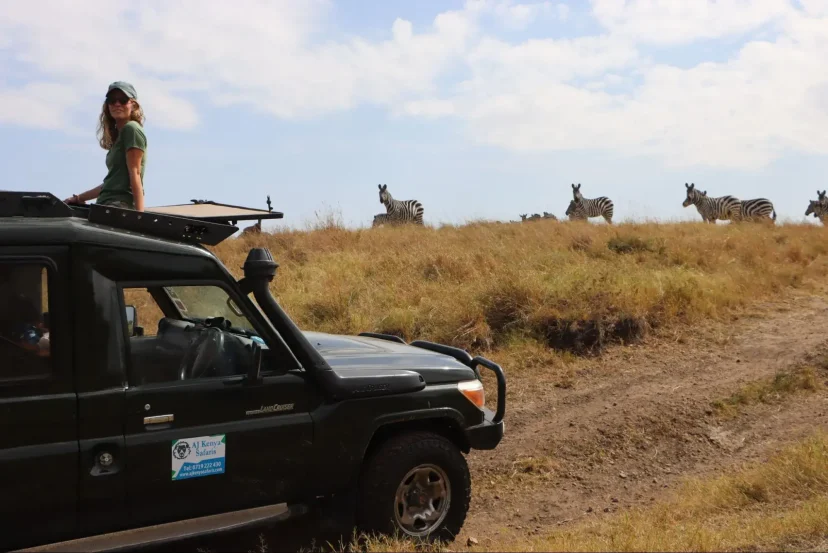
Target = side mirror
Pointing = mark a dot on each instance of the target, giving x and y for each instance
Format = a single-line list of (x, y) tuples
[(254, 375), (132, 321), (132, 318)]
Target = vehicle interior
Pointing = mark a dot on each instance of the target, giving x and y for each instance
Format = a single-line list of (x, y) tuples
[(182, 347), (24, 321)]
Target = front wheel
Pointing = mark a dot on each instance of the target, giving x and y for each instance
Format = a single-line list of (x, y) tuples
[(416, 485)]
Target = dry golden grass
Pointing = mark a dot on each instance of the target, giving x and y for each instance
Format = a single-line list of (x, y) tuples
[(783, 384), (530, 296), (573, 286), (764, 506)]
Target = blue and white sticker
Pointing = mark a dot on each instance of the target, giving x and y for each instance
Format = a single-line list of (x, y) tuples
[(196, 457)]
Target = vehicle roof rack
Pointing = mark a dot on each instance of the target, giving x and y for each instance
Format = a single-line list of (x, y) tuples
[(207, 210), (31, 204), (202, 222), (196, 231)]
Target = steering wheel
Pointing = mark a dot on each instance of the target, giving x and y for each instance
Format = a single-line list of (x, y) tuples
[(203, 354)]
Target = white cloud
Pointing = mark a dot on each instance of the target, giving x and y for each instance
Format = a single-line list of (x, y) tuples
[(39, 105), (551, 95), (518, 16), (534, 95), (743, 113), (815, 7), (681, 21), (429, 108)]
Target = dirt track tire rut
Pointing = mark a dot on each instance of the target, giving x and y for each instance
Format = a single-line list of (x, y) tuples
[(639, 418)]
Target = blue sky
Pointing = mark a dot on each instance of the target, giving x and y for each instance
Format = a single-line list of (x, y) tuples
[(479, 109)]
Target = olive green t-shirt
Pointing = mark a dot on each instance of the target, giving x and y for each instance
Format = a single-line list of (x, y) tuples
[(116, 185)]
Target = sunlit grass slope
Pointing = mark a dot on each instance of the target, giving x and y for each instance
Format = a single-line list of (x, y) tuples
[(570, 286)]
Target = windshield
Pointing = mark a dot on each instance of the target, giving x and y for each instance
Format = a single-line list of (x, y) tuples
[(202, 302)]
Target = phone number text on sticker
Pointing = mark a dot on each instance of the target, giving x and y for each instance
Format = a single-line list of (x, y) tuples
[(195, 457)]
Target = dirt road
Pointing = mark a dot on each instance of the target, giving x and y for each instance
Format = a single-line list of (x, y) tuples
[(633, 422), (639, 418)]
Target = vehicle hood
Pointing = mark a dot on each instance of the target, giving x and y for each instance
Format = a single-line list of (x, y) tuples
[(344, 353)]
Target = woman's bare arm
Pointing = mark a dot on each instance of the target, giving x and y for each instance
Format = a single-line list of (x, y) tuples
[(134, 156), (90, 194)]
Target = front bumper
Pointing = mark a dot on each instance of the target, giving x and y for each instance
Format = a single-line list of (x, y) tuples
[(487, 434)]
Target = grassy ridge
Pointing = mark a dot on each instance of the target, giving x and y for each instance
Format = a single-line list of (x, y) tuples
[(572, 286)]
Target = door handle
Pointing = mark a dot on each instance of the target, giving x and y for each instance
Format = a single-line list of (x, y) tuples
[(159, 419)]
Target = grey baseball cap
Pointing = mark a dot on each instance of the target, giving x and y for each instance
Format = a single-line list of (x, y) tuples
[(124, 87)]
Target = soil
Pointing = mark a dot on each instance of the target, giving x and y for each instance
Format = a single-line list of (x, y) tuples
[(632, 423)]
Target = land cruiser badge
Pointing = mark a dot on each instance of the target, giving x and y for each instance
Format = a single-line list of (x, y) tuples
[(275, 408), (195, 457)]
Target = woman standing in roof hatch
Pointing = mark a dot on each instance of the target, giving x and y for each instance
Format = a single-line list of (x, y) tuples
[(121, 133)]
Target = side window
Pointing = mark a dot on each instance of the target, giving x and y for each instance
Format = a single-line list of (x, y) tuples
[(24, 322), (143, 312), (179, 333)]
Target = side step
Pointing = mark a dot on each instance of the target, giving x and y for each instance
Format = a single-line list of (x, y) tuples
[(160, 534)]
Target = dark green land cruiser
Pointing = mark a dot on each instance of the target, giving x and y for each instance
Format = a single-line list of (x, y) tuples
[(146, 395)]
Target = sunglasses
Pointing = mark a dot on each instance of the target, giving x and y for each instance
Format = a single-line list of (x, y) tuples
[(112, 100)]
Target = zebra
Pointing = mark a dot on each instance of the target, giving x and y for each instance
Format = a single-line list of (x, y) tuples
[(549, 216), (818, 208), (400, 210), (759, 208), (591, 207), (575, 211), (381, 219), (534, 217), (822, 198), (711, 209), (253, 229)]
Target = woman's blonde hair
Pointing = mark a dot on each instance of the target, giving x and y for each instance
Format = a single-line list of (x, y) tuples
[(108, 132)]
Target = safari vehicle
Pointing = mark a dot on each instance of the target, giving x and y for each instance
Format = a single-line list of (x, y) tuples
[(147, 395)]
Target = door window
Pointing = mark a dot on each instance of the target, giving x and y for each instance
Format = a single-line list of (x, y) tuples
[(24, 322), (181, 333)]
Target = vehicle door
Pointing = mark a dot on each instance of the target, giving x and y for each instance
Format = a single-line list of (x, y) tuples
[(38, 417), (200, 437)]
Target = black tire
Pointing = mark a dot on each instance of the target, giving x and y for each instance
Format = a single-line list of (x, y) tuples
[(384, 474)]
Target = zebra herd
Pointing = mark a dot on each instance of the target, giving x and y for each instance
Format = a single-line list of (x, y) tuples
[(711, 209), (534, 217), (726, 208)]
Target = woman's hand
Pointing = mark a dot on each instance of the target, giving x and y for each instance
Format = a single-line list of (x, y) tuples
[(134, 157), (79, 199)]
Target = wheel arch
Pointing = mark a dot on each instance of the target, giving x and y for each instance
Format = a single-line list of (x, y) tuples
[(442, 424)]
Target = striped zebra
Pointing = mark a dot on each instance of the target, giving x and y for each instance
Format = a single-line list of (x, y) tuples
[(757, 209), (822, 198), (818, 208), (381, 219), (592, 207), (575, 212), (253, 229), (402, 211), (711, 209), (549, 216)]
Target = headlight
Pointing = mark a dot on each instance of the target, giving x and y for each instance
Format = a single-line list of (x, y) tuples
[(473, 390)]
